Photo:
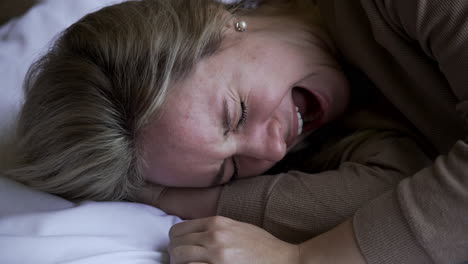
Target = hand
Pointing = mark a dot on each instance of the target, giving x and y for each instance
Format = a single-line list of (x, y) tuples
[(186, 203), (222, 240), (338, 245)]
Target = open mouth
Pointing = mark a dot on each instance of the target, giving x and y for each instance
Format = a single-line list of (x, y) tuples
[(310, 110)]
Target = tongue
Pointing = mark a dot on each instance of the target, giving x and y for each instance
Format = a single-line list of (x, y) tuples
[(309, 107)]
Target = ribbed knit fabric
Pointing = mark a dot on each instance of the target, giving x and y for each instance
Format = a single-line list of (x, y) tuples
[(296, 206), (385, 236), (420, 62)]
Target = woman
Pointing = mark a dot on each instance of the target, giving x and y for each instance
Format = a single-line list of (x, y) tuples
[(268, 205), (404, 219), (82, 156)]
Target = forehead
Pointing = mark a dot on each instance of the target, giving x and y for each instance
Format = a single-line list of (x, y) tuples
[(191, 107)]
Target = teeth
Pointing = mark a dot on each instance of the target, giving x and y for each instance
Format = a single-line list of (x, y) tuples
[(300, 121)]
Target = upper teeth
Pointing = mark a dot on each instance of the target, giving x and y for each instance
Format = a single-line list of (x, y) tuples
[(299, 121)]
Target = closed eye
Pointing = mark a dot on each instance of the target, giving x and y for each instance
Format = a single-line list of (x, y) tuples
[(240, 124), (243, 117)]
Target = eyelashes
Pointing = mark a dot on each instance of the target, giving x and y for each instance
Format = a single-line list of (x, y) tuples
[(243, 118), (241, 123)]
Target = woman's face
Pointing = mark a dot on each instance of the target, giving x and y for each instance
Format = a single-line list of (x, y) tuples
[(236, 114)]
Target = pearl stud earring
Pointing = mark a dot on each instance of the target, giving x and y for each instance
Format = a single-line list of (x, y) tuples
[(240, 26)]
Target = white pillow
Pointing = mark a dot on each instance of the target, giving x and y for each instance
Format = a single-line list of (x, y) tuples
[(24, 39), (41, 228)]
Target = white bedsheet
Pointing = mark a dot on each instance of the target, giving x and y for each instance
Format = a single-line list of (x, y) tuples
[(40, 228)]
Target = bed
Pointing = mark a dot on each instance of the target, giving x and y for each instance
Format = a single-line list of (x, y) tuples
[(36, 227)]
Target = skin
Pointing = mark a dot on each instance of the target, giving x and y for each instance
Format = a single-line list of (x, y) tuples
[(223, 241), (192, 145), (262, 77)]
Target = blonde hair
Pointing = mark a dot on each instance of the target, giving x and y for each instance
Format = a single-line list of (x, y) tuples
[(88, 98)]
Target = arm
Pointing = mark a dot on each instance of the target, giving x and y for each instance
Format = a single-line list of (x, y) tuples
[(296, 206), (440, 29), (425, 219), (368, 173)]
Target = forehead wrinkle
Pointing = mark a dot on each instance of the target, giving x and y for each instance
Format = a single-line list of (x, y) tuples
[(224, 77)]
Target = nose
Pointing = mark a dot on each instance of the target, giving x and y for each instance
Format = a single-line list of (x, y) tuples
[(266, 142)]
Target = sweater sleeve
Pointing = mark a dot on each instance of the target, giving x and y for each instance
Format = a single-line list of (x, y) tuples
[(425, 219), (296, 206)]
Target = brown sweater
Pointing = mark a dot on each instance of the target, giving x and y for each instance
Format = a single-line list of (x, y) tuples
[(416, 53)]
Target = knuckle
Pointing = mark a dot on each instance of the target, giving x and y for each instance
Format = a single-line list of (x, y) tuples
[(219, 221), (218, 237)]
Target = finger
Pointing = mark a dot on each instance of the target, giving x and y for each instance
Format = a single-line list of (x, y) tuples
[(188, 254), (198, 225), (190, 239), (187, 227)]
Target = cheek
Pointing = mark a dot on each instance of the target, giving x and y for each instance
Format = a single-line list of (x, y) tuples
[(332, 86), (176, 177), (339, 92), (179, 154), (268, 98), (170, 166), (187, 180)]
